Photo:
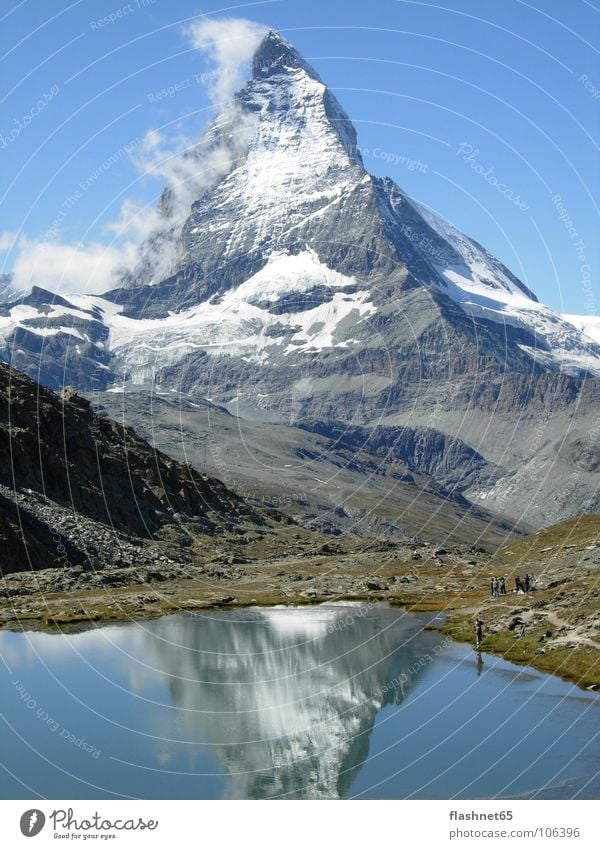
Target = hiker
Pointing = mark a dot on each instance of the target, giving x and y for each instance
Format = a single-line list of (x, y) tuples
[(527, 583), (502, 586), (495, 589), (478, 632), (491, 586), (518, 583)]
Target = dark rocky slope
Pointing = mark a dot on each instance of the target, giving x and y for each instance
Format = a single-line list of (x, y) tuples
[(78, 488)]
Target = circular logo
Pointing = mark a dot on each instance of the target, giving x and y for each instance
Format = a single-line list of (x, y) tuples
[(32, 822)]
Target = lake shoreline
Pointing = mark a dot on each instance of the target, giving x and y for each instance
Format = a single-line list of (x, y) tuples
[(456, 588)]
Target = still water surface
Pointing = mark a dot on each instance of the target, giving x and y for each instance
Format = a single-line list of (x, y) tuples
[(336, 701)]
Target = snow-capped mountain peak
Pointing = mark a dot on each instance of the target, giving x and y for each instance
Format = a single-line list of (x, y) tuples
[(289, 248), (276, 55), (277, 61)]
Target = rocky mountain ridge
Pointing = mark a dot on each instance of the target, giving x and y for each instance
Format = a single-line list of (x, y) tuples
[(300, 288)]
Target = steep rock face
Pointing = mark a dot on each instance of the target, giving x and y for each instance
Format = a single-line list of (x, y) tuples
[(532, 395), (300, 185), (297, 189), (450, 462), (55, 450), (55, 340), (58, 446)]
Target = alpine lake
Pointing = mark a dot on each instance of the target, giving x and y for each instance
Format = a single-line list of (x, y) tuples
[(335, 701)]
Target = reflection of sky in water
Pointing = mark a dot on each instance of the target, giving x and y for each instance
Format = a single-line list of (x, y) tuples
[(313, 702)]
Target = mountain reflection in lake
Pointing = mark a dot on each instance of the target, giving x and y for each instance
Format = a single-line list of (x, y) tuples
[(288, 697), (322, 702)]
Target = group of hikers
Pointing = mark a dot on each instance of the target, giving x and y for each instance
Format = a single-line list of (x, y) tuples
[(524, 584), (498, 585), (498, 588)]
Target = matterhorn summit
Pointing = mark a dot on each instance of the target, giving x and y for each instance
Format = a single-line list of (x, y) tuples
[(294, 209), (292, 249)]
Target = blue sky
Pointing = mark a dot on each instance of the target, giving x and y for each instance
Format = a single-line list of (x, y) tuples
[(486, 112)]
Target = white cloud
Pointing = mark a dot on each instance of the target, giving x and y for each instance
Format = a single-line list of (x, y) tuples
[(188, 170), (230, 44), (7, 240), (70, 268), (143, 240)]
